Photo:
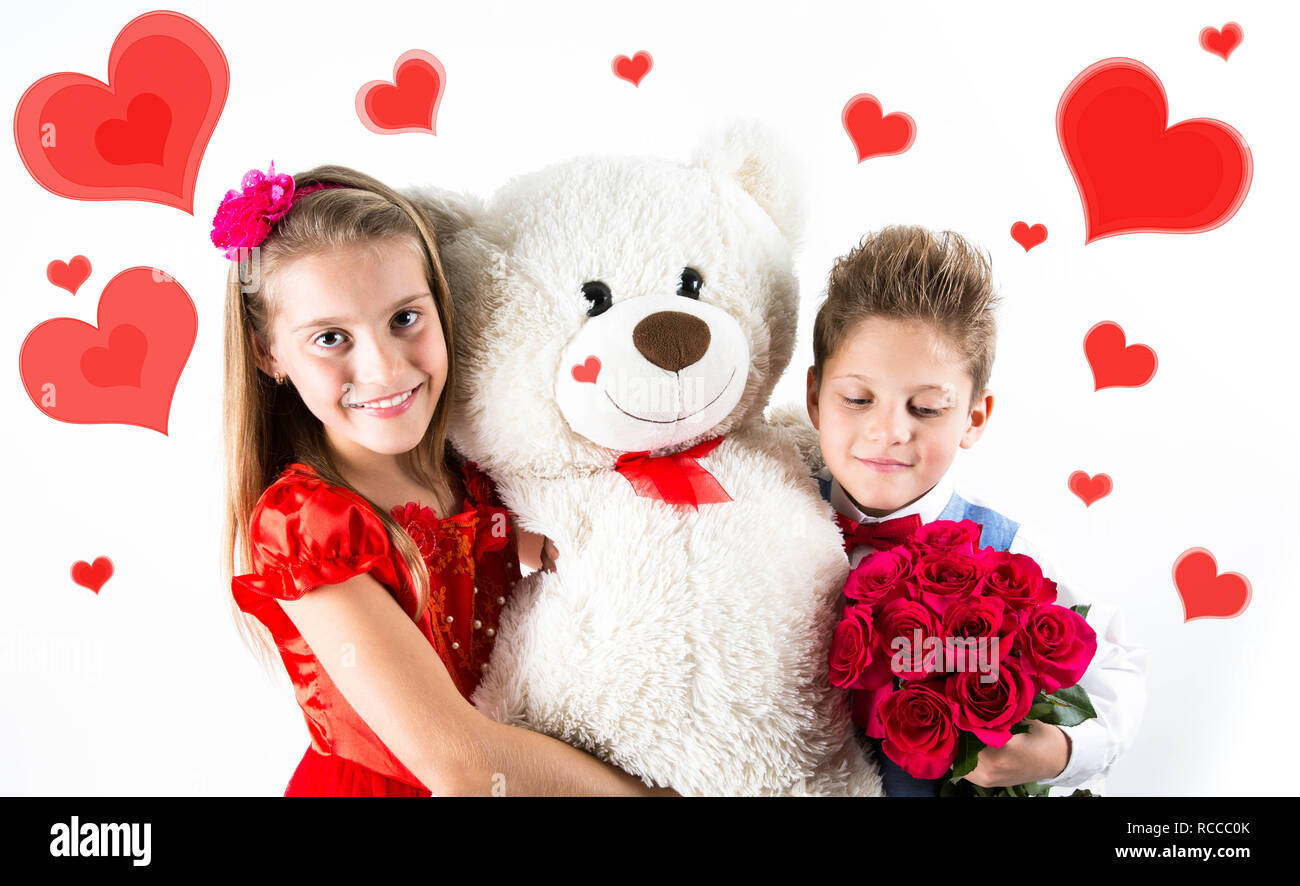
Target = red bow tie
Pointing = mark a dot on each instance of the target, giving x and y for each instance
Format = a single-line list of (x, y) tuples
[(676, 479), (881, 536)]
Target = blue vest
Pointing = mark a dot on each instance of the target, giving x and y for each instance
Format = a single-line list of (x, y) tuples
[(999, 531)]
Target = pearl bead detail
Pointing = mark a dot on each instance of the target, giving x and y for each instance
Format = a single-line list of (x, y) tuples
[(455, 644), (477, 624), (491, 632), (501, 600), (449, 619)]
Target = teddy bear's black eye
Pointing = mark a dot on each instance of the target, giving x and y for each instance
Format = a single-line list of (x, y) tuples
[(691, 283), (599, 295)]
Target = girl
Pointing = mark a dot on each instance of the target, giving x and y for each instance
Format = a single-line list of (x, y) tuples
[(375, 561)]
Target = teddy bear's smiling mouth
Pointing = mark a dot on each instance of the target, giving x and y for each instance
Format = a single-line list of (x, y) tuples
[(672, 421)]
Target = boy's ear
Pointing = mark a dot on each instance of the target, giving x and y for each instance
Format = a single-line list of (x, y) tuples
[(979, 419), (814, 405)]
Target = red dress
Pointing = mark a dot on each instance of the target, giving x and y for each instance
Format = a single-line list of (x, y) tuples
[(305, 533)]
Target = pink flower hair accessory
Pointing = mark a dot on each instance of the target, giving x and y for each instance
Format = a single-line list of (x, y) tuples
[(245, 217)]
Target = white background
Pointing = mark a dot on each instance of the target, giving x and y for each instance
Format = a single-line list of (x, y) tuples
[(145, 688)]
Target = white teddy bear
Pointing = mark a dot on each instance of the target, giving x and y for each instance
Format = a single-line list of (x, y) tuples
[(620, 325)]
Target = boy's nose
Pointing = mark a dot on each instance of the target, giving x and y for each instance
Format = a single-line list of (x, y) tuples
[(887, 426)]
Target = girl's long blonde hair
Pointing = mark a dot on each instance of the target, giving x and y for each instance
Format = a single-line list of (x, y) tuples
[(267, 425)]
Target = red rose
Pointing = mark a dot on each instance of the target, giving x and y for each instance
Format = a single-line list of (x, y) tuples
[(947, 535), (944, 577), (903, 631), (880, 576), (866, 709), (920, 735), (983, 617), (1016, 579), (851, 648), (990, 709), (1056, 647)]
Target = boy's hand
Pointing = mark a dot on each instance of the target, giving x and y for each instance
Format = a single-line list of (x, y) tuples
[(1040, 753)]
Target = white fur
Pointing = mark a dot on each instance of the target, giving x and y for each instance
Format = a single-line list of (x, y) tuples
[(688, 647)]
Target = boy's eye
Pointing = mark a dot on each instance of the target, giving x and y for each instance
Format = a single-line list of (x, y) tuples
[(410, 315), (927, 412), (334, 339), (859, 401)]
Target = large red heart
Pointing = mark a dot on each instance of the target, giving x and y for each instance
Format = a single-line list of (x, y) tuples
[(92, 575), (410, 102), (632, 69), (1221, 43), (123, 371), (68, 276), (874, 135), (142, 135), (1135, 174), (1115, 365), (1090, 489), (1204, 592)]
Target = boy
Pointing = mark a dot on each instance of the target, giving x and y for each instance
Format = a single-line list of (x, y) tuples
[(903, 349)]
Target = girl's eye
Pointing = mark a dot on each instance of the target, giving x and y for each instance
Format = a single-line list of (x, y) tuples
[(690, 283), (320, 340), (850, 401), (599, 295), (410, 314)]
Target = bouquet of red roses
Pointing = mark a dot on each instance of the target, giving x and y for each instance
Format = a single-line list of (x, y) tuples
[(950, 648)]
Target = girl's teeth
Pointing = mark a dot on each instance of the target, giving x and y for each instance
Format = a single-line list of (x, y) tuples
[(384, 404)]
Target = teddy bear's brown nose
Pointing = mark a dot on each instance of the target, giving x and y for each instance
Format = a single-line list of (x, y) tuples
[(671, 340)]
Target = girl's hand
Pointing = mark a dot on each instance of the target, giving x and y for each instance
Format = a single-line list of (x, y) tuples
[(549, 555), (1040, 753)]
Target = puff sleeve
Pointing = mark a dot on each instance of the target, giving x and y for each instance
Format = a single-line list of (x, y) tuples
[(305, 533)]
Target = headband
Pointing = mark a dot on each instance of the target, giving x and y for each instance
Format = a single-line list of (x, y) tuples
[(245, 217)]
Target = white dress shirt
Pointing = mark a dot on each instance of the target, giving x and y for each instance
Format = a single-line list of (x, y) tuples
[(1115, 680)]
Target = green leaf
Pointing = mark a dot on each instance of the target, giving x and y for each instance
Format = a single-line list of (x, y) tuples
[(1065, 707), (1082, 792), (1041, 707), (968, 752), (1034, 789), (1022, 726), (1082, 609)]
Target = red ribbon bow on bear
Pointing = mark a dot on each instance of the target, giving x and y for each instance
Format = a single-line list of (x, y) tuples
[(676, 479)]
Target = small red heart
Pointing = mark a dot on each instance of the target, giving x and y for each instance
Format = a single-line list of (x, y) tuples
[(634, 68), (874, 135), (1221, 43), (141, 137), (1134, 172), (1028, 237), (68, 276), (92, 575), (408, 104), (1113, 364), (587, 371), (1090, 489), (117, 365), (1204, 592)]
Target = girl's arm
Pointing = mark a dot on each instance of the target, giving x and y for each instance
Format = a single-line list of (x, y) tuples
[(399, 686)]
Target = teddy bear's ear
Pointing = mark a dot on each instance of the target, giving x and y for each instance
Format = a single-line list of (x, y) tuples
[(750, 153), (452, 213)]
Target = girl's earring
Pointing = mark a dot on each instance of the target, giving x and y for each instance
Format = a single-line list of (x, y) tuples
[(279, 379)]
